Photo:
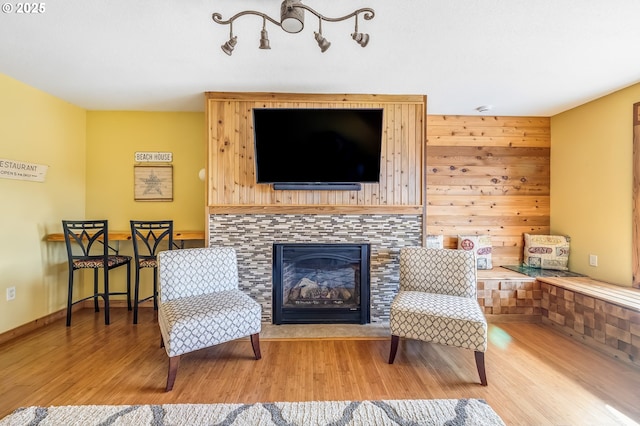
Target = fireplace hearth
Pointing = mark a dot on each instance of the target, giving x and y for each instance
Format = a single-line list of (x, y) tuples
[(321, 283)]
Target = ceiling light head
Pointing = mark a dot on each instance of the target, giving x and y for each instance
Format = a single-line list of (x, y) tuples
[(322, 42), (264, 40), (361, 38), (484, 108), (264, 36), (230, 45), (291, 17)]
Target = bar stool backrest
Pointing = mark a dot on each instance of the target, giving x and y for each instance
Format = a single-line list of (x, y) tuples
[(86, 240), (150, 237)]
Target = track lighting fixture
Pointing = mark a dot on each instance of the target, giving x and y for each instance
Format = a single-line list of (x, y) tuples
[(292, 21)]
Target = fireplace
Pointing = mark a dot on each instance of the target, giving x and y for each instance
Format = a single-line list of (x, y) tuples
[(321, 283)]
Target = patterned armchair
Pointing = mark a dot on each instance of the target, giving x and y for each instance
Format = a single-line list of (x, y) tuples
[(437, 302), (201, 304)]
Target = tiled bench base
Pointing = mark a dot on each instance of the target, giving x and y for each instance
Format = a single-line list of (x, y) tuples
[(505, 295), (603, 316)]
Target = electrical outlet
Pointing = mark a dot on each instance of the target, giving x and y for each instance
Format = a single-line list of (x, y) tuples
[(593, 260), (11, 293)]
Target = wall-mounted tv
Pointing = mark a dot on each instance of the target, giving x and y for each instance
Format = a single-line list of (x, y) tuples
[(307, 148)]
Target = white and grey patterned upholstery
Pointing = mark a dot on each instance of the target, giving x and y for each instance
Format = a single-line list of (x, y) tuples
[(200, 302), (437, 301), (439, 271)]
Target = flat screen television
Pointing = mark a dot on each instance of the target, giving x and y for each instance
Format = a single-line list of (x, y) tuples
[(310, 148)]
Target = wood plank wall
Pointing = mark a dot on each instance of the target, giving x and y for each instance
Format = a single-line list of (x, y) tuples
[(231, 168), (488, 175)]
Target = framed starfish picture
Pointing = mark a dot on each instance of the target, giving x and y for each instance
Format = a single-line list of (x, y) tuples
[(153, 183)]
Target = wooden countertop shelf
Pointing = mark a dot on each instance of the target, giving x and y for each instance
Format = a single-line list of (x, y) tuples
[(126, 235)]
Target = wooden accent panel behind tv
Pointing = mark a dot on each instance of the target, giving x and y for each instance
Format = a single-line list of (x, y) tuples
[(231, 181), (488, 175)]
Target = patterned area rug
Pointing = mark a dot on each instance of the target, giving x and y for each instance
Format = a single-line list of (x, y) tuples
[(371, 413)]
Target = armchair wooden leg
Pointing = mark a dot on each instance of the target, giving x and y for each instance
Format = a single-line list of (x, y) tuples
[(255, 344), (394, 348), (481, 371), (174, 363)]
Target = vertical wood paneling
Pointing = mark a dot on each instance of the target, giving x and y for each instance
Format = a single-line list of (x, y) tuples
[(236, 148), (229, 142), (488, 175), (232, 163)]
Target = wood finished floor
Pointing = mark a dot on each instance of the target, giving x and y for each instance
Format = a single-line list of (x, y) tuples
[(536, 376)]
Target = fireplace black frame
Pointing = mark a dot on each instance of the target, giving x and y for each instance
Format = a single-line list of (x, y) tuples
[(308, 315)]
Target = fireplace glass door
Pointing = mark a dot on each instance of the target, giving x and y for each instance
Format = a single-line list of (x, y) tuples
[(321, 283)]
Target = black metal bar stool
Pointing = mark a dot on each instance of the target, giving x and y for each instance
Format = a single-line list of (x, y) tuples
[(88, 247), (149, 238)]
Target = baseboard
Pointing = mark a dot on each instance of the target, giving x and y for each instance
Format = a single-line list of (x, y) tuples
[(61, 314), (34, 325)]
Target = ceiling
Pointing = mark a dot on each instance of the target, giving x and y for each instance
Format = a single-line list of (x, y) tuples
[(523, 57)]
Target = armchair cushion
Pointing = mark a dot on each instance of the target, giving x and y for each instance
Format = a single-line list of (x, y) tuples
[(191, 323), (444, 319)]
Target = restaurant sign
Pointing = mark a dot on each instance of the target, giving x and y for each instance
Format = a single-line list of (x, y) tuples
[(20, 170), (153, 157)]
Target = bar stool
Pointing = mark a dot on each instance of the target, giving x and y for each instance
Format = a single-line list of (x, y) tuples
[(149, 238), (87, 243)]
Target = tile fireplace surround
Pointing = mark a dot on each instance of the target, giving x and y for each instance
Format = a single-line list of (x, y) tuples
[(253, 237)]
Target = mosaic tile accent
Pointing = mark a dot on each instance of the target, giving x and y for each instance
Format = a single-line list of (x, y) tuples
[(253, 236)]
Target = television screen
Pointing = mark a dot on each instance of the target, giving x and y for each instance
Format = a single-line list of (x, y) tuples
[(317, 146)]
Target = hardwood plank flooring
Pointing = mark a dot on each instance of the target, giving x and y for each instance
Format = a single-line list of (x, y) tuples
[(536, 376)]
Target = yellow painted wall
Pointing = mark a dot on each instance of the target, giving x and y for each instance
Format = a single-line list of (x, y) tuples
[(112, 140), (591, 184), (37, 128), (113, 137)]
